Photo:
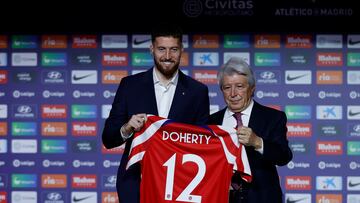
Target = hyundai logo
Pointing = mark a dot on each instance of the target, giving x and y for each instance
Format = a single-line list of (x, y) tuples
[(24, 109), (356, 128), (54, 75), (267, 75), (111, 179), (54, 196)]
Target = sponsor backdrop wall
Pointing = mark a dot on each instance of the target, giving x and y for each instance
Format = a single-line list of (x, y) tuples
[(57, 90)]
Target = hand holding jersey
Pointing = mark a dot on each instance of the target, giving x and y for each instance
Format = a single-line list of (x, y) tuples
[(182, 162), (135, 123)]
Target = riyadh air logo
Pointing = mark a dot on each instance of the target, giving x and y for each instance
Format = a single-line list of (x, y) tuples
[(294, 112), (53, 146), (267, 59), (298, 77), (83, 111), (23, 128), (353, 41), (353, 112), (327, 112), (353, 148), (297, 198), (353, 59), (236, 41), (353, 183), (23, 180), (84, 77), (141, 59), (206, 59), (53, 59), (141, 41), (329, 183), (24, 42)]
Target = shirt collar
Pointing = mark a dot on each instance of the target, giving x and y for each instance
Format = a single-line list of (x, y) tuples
[(247, 111), (174, 79)]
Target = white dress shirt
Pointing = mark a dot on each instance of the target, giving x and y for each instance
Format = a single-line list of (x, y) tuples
[(229, 120), (164, 94)]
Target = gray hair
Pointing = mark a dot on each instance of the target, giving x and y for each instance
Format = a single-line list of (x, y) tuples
[(236, 65)]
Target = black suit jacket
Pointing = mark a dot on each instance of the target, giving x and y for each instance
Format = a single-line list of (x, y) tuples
[(270, 125), (136, 94)]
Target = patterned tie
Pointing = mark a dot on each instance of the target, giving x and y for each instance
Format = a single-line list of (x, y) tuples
[(235, 181), (237, 116)]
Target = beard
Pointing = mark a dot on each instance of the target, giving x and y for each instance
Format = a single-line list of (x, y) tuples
[(167, 71)]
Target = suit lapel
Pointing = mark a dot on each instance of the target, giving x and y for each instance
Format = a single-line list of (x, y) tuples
[(254, 116), (178, 105), (149, 92)]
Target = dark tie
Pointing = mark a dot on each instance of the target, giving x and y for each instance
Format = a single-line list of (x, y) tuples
[(237, 116), (236, 179)]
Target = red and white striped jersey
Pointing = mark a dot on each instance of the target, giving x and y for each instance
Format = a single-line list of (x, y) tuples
[(186, 163)]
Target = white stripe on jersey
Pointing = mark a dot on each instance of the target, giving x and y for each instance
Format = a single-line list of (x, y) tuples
[(135, 158), (147, 134), (231, 131)]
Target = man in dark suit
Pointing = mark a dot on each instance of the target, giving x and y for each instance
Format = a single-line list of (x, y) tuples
[(164, 91), (261, 129)]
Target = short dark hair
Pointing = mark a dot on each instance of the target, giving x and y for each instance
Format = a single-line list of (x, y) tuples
[(166, 30)]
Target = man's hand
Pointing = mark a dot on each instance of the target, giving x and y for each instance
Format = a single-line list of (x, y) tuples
[(247, 137), (135, 123)]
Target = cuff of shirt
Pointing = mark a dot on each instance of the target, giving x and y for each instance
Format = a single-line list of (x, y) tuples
[(261, 150), (124, 135)]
